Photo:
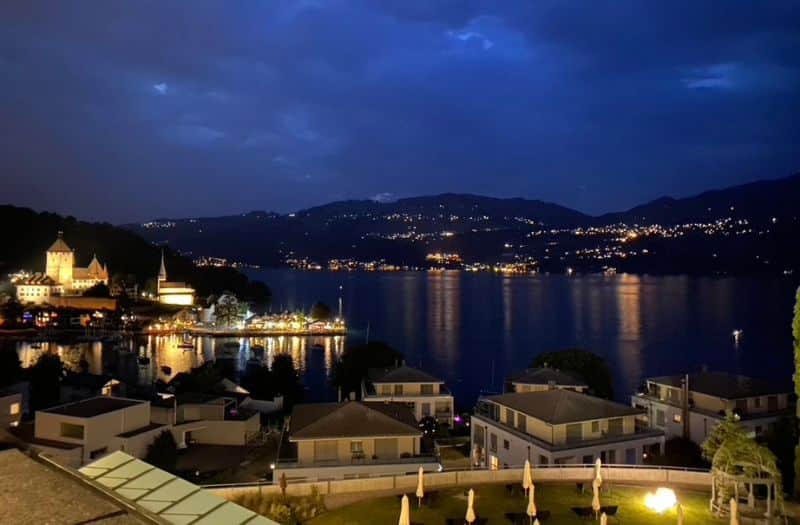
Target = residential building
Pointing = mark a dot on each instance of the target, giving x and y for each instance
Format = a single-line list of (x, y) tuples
[(10, 408), (536, 379), (424, 393), (558, 426), (349, 440), (690, 405)]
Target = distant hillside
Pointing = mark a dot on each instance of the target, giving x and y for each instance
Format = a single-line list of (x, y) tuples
[(126, 253), (486, 229), (756, 200)]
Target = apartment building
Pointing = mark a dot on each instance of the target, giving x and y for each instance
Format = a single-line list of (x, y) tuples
[(424, 393)]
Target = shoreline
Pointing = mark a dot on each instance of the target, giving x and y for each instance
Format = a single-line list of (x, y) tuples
[(54, 333)]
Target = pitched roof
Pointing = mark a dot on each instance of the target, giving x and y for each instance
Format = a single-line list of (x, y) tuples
[(724, 385), (35, 492), (39, 279), (546, 376), (401, 374), (560, 406), (59, 245), (351, 419)]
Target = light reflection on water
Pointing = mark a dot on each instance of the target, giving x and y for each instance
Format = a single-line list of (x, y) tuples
[(167, 358), (473, 330)]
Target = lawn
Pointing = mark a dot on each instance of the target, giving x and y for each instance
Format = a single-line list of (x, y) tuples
[(493, 501)]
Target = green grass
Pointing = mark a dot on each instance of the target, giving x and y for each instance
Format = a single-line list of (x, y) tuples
[(492, 501)]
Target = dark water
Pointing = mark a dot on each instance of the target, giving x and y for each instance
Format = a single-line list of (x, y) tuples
[(473, 329)]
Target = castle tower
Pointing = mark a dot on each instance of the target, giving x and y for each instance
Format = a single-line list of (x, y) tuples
[(60, 261)]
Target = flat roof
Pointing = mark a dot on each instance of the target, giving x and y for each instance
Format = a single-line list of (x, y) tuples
[(37, 492), (94, 406), (561, 406), (725, 385)]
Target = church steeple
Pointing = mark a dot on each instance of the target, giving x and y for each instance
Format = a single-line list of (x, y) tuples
[(162, 272)]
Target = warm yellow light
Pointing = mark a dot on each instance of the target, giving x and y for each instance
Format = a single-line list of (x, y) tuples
[(663, 500)]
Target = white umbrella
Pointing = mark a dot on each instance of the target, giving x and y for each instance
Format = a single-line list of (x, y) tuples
[(734, 512), (603, 519), (470, 517), (527, 477), (597, 476), (595, 497), (420, 486), (679, 510), (531, 510), (405, 512)]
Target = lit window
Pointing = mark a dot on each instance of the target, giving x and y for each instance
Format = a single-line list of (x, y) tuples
[(15, 409), (676, 418)]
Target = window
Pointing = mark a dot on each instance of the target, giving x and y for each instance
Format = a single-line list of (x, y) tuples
[(587, 460), (630, 456), (741, 406), (612, 456), (386, 390), (615, 426), (14, 409), (757, 402), (509, 417), (772, 403), (325, 451), (494, 462), (595, 427), (543, 460), (676, 418), (574, 432), (70, 430), (506, 444), (426, 409), (493, 442), (426, 389), (398, 390), (661, 418), (357, 447), (521, 421)]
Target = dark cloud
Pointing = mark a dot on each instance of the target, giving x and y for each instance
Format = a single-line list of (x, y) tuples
[(132, 110)]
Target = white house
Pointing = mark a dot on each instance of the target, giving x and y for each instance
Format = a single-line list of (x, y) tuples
[(424, 393), (558, 426), (690, 405), (535, 379)]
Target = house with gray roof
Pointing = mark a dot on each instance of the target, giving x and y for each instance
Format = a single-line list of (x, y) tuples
[(535, 379), (559, 426), (351, 439), (424, 393), (691, 405)]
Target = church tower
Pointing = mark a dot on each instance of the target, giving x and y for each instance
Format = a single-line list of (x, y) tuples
[(162, 273), (60, 261)]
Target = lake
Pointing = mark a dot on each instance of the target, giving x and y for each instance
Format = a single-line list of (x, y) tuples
[(475, 329)]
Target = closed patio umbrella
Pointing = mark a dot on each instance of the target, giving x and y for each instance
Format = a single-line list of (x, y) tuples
[(405, 512), (734, 512), (420, 487), (597, 476), (527, 477), (531, 510), (679, 510), (470, 516), (595, 497), (603, 519)]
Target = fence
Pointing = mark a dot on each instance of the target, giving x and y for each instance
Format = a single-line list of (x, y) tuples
[(626, 474)]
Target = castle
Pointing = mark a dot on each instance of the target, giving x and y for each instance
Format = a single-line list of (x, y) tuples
[(61, 277)]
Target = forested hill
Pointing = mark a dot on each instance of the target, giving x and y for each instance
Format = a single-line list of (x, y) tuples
[(28, 234)]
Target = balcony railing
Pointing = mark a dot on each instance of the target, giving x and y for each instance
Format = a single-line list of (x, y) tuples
[(354, 460)]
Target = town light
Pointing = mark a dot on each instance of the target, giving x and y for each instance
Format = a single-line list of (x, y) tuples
[(663, 500)]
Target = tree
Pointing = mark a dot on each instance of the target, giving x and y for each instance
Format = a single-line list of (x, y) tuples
[(163, 452), (796, 338), (45, 381), (679, 452), (286, 381), (202, 379), (228, 310), (10, 366), (586, 365), (98, 290), (321, 312), (781, 439), (352, 366)]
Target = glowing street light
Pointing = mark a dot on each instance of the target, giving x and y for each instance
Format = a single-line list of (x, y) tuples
[(660, 502)]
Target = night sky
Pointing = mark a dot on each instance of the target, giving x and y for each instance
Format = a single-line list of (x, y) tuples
[(131, 110)]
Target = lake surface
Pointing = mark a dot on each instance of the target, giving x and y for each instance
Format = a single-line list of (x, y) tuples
[(475, 329)]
